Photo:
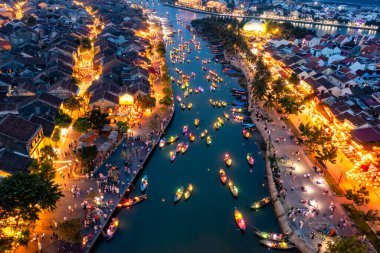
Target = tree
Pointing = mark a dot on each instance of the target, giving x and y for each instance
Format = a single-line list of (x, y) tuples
[(82, 125), (161, 49), (48, 153), (63, 120), (98, 119), (327, 153), (44, 169), (348, 245), (146, 102), (56, 136), (294, 79), (359, 197), (31, 21), (122, 127), (166, 100), (316, 136), (69, 230), (289, 104), (24, 196), (86, 156), (72, 104), (370, 216), (85, 44)]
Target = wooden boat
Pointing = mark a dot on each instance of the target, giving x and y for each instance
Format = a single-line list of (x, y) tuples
[(261, 203), (178, 194), (228, 159), (191, 136), (204, 133), (214, 85), (132, 201), (223, 176), (185, 129), (268, 235), (220, 120), (250, 159), (172, 139), (197, 122), (246, 133), (224, 103), (179, 147), (226, 115), (188, 192), (144, 183), (283, 245), (162, 143), (179, 98), (235, 109), (240, 220), (190, 90), (217, 125), (110, 232), (196, 90), (212, 88), (211, 101), (184, 147), (234, 190), (189, 106), (208, 140), (183, 106), (172, 155)]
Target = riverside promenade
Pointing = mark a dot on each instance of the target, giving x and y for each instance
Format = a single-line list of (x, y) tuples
[(303, 202), (273, 19)]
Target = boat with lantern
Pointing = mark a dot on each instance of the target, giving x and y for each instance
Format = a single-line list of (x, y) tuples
[(223, 177), (132, 201), (261, 203), (250, 159), (240, 220), (183, 106), (246, 133), (191, 136), (269, 235), (184, 147), (188, 192), (226, 115), (227, 159), (172, 155), (204, 133), (179, 98), (172, 139), (282, 245), (197, 122), (189, 106), (220, 120), (208, 140), (217, 125), (234, 190), (144, 183), (111, 230), (179, 147), (178, 194), (185, 128), (162, 143)]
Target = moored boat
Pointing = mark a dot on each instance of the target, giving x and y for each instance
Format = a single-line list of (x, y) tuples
[(179, 147), (179, 98), (250, 159), (172, 155), (132, 201), (234, 190), (183, 106), (223, 176), (188, 192), (144, 183), (220, 120), (226, 115), (184, 147), (269, 235), (261, 203), (239, 220), (185, 129), (283, 245), (110, 232), (162, 143), (189, 106), (191, 136), (246, 133), (178, 194), (217, 125)]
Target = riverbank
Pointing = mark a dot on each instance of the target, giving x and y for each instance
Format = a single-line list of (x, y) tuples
[(273, 19)]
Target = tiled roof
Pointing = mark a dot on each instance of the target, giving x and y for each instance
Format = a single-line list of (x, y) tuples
[(18, 128)]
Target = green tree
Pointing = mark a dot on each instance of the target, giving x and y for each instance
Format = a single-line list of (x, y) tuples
[(161, 50), (82, 125), (290, 104), (56, 136), (166, 100), (63, 120), (72, 103), (85, 44), (316, 136), (44, 169), (31, 21), (69, 230), (48, 153), (346, 245), (146, 102), (98, 119), (327, 153), (24, 196), (294, 79), (359, 197), (122, 127), (86, 156)]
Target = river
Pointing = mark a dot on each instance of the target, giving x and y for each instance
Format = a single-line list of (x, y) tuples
[(205, 222)]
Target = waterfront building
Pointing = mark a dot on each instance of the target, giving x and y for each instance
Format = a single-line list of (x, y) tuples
[(190, 3), (217, 5)]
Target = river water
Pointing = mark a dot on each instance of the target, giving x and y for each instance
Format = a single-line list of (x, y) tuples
[(205, 222)]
